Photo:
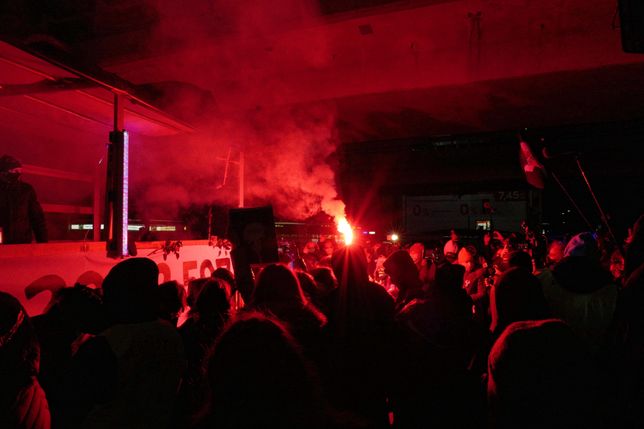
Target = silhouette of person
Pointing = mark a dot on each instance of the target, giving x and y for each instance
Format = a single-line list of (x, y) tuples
[(21, 216), (23, 403), (129, 374)]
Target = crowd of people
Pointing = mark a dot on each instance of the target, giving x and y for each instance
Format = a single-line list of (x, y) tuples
[(492, 334)]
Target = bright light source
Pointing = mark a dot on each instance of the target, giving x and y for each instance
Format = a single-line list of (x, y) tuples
[(345, 229), (126, 161), (372, 232), (394, 237), (163, 228)]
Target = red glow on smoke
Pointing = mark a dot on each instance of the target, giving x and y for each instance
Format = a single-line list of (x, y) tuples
[(288, 146)]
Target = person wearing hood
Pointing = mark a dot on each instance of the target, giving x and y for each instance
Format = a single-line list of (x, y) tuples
[(581, 292), (21, 216), (403, 273)]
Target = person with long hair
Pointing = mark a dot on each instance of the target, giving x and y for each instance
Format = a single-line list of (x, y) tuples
[(258, 377)]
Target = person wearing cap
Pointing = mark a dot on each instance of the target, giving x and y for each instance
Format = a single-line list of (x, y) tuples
[(21, 216)]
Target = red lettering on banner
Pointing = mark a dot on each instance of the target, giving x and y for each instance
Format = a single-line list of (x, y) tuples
[(187, 266), (223, 262), (164, 270), (90, 278), (50, 282), (206, 265)]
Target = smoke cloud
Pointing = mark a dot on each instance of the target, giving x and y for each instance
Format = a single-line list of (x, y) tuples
[(227, 49), (292, 167), (288, 159)]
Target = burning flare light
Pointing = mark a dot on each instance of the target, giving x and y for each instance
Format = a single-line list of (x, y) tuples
[(345, 229)]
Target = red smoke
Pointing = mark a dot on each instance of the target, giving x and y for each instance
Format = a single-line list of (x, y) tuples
[(287, 164), (287, 148)]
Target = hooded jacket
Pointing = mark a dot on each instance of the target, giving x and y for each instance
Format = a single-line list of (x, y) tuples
[(21, 216), (579, 291)]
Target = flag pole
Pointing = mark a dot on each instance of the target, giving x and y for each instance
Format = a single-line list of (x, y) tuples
[(531, 164), (572, 200), (602, 214)]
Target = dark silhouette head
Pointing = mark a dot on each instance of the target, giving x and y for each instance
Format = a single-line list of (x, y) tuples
[(277, 283), (8, 162), (516, 297), (520, 259), (212, 301), (308, 284), (172, 301), (194, 288), (540, 375), (257, 374), (130, 291), (325, 279), (227, 276), (402, 270), (449, 277), (350, 265), (80, 308), (10, 169), (19, 349)]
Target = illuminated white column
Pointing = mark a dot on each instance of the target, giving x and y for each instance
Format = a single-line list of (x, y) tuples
[(125, 193), (116, 203)]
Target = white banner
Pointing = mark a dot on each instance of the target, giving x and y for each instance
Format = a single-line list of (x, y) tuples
[(31, 272), (503, 210)]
